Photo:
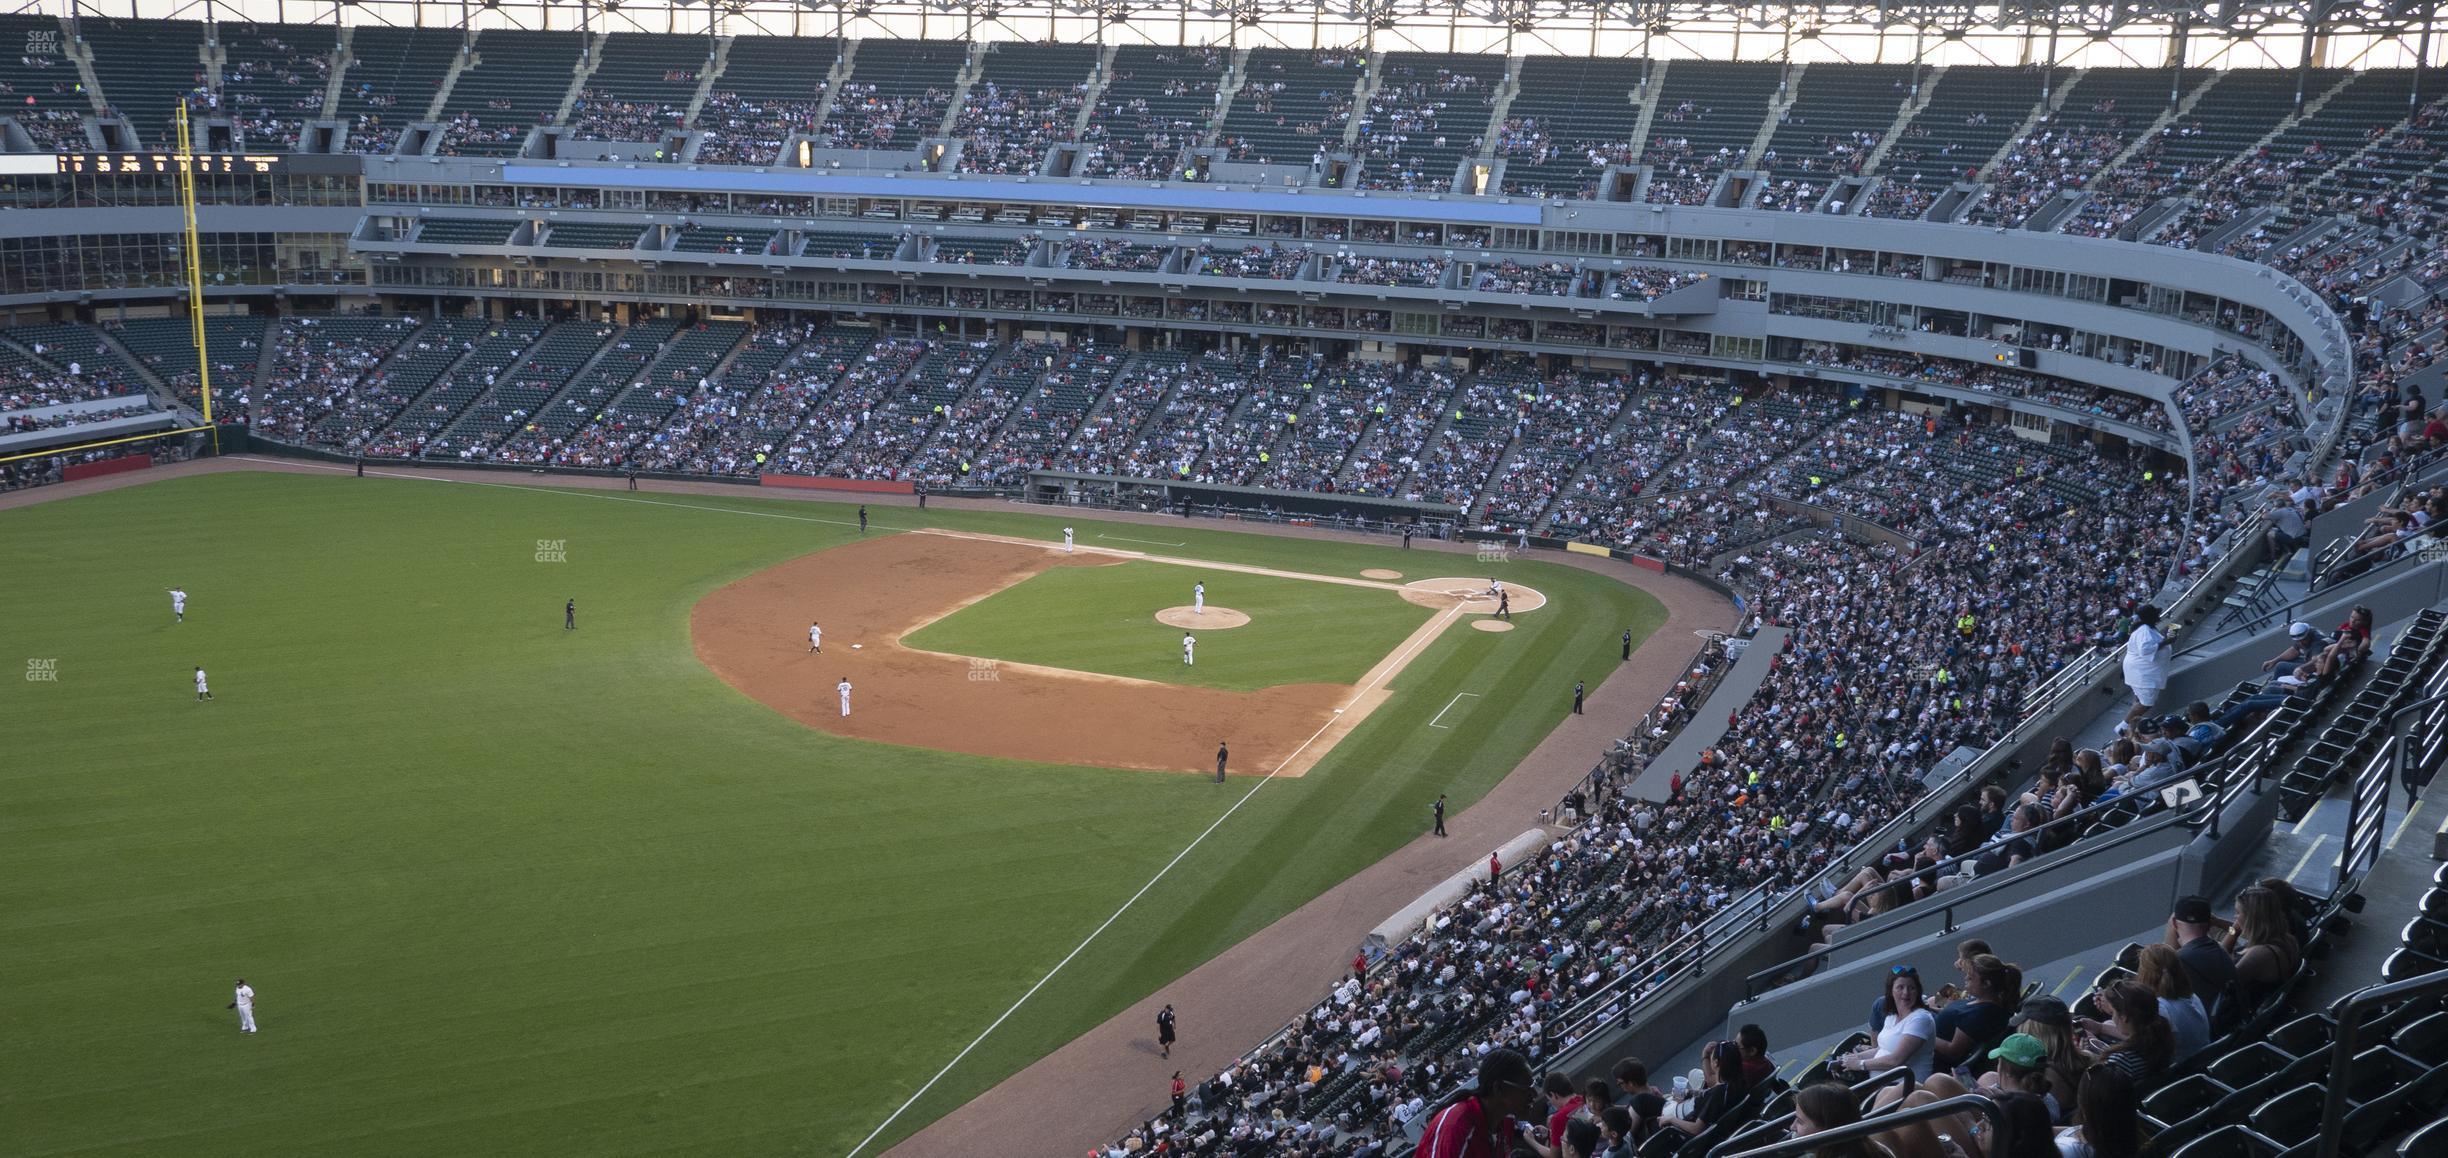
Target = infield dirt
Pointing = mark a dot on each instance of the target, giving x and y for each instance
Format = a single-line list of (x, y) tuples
[(753, 633)]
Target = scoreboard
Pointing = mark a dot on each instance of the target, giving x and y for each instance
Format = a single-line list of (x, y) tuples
[(168, 162), (165, 163)]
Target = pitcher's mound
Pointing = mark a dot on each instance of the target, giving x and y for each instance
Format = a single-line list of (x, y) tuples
[(1380, 573), (1492, 624), (1212, 619)]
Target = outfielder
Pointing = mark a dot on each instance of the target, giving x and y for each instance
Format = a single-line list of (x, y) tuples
[(203, 690), (844, 688), (178, 604), (816, 638), (1189, 646), (244, 1003), (1198, 599)]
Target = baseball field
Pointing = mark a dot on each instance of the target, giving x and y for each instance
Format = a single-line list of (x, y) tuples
[(637, 887)]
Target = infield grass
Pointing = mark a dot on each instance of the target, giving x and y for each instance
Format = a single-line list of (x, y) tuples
[(509, 889), (1103, 619)]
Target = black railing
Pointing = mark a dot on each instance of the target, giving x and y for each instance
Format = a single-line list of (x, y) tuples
[(2001, 1140), (2350, 1012), (1686, 956), (1766, 979)]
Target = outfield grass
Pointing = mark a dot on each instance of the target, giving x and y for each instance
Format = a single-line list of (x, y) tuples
[(504, 888), (1103, 619)]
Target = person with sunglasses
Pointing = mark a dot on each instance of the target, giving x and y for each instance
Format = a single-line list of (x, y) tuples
[(1905, 1029), (1724, 1088), (1481, 1124)]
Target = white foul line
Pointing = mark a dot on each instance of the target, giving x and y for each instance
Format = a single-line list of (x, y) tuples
[(1149, 542), (1418, 641), (1449, 707), (1263, 781)]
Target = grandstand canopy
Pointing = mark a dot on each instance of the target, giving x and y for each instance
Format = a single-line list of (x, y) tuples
[(2224, 33)]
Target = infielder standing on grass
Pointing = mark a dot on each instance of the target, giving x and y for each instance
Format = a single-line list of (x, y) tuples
[(816, 638), (1189, 644), (203, 693), (178, 604), (244, 1003), (1198, 599), (844, 688)]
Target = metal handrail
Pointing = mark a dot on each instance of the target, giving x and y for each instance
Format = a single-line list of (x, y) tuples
[(2001, 1133), (2349, 1013), (1686, 956), (1861, 1090), (2080, 850)]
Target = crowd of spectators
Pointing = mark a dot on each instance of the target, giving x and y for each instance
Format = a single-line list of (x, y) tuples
[(1364, 269), (1116, 256), (1139, 134), (741, 130), (273, 121), (600, 116), (26, 422), (1011, 129), (1274, 260)]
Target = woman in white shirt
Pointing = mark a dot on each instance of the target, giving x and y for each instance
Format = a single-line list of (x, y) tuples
[(1905, 1029)]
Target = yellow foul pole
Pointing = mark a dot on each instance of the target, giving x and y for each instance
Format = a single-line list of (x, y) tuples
[(195, 269)]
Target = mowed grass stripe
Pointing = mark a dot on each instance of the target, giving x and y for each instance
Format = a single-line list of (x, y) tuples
[(506, 889)]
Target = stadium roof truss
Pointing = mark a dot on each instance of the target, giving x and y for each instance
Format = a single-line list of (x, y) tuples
[(2229, 33)]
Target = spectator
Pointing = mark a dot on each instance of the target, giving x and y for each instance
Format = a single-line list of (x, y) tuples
[(1826, 1106), (1480, 1124), (1904, 1030), (1757, 1065), (2139, 1040), (2265, 951), (1722, 1092), (2205, 960), (2145, 663), (2107, 1120), (2047, 1020), (1966, 1030)]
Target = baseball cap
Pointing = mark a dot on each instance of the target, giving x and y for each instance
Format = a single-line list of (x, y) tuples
[(2193, 910), (2299, 629), (2045, 1009), (2022, 1049)]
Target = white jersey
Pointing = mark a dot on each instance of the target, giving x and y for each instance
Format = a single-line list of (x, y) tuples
[(1188, 643), (844, 688), (1066, 538), (178, 601), (246, 997), (815, 635), (2144, 666), (200, 679)]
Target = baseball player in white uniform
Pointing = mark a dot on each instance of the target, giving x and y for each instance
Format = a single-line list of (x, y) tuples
[(203, 690), (816, 637), (1189, 647), (178, 604), (1198, 599), (844, 688), (1066, 540), (244, 1003)]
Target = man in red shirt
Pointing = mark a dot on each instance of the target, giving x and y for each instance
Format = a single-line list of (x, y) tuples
[(1562, 1101), (1481, 1124)]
